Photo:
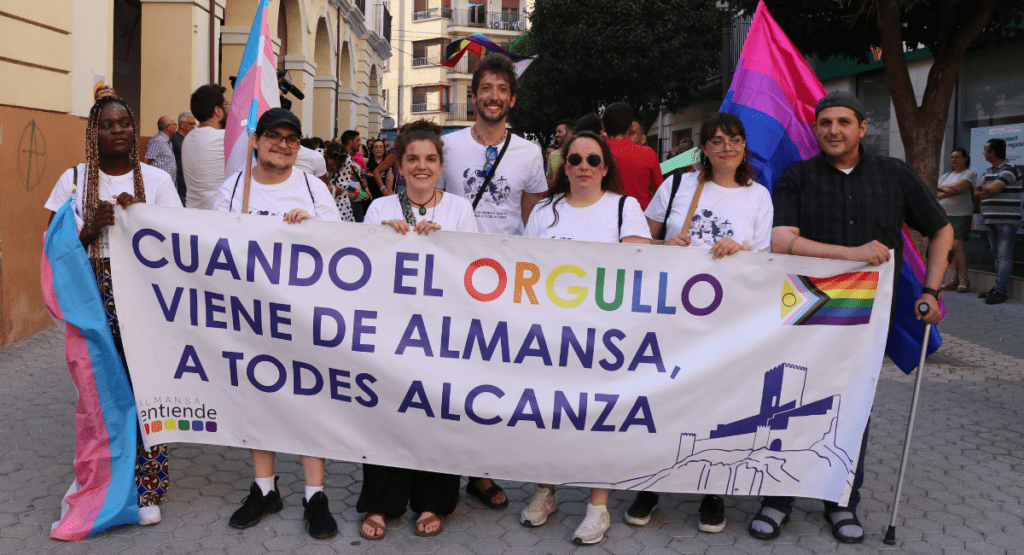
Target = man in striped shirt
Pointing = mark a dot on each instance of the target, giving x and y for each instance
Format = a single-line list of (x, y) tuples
[(1000, 191)]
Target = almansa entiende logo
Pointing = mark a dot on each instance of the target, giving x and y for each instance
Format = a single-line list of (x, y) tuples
[(158, 414)]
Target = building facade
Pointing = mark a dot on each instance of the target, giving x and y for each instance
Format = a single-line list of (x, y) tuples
[(416, 85), (155, 53)]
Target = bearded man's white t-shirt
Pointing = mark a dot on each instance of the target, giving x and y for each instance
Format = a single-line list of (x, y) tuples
[(300, 190), (520, 170), (597, 222)]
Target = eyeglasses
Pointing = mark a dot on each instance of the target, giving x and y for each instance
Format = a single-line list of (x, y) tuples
[(575, 159), (492, 155), (291, 140), (718, 144)]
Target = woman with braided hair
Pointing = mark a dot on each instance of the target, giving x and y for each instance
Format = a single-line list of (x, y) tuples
[(113, 172)]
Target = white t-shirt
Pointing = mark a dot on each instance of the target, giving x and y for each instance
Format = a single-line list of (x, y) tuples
[(159, 186), (521, 170), (453, 212), (597, 222), (311, 162), (202, 164), (743, 214), (300, 190), (962, 204)]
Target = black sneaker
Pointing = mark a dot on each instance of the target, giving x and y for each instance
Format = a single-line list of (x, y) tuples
[(985, 294), (255, 505), (995, 297), (712, 514), (639, 513), (319, 522)]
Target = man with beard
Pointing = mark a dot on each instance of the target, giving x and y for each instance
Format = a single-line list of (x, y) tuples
[(473, 154), (202, 151), (563, 132)]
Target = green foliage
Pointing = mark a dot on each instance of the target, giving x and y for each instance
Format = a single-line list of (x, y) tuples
[(649, 53), (848, 28)]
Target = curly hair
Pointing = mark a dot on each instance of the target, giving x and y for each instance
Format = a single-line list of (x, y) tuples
[(104, 96)]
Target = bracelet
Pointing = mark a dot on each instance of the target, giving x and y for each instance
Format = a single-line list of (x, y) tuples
[(789, 250)]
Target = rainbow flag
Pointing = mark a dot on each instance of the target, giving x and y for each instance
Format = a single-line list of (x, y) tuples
[(255, 91), (843, 300), (103, 493), (479, 44)]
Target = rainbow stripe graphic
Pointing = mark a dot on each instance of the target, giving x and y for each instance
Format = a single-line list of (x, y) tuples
[(103, 493), (843, 300)]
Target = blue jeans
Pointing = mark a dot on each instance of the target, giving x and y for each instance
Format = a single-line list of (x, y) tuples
[(785, 504), (1000, 238)]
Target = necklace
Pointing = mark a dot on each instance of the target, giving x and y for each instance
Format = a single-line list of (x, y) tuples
[(481, 140), (423, 206)]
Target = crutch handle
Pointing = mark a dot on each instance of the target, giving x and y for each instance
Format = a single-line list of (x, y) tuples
[(923, 308)]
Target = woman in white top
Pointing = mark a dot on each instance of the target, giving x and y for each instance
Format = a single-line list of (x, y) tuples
[(422, 208), (954, 193), (733, 213), (585, 204)]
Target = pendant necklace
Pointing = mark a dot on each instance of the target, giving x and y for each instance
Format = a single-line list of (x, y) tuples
[(423, 207)]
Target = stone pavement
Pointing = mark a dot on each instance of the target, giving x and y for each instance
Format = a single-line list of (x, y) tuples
[(964, 491)]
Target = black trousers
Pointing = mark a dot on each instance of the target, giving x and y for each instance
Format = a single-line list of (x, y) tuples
[(388, 490)]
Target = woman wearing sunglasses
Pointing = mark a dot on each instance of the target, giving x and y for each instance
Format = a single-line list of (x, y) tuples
[(421, 208), (732, 213), (585, 204)]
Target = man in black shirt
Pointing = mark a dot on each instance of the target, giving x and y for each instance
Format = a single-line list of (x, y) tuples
[(846, 204)]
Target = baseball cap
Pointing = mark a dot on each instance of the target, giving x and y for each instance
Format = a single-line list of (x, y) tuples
[(841, 99), (278, 116)]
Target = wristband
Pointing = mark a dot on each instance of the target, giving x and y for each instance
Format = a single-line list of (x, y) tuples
[(789, 250), (933, 292)]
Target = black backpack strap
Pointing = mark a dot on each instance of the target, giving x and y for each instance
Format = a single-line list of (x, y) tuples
[(235, 188), (622, 206), (677, 178), (494, 168), (310, 189)]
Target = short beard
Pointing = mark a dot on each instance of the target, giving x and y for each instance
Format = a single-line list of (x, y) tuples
[(481, 113)]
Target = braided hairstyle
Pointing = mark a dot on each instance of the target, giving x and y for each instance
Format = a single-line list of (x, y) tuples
[(105, 95)]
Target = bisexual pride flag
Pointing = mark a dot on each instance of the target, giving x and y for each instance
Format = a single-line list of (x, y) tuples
[(255, 91), (774, 93), (103, 493)]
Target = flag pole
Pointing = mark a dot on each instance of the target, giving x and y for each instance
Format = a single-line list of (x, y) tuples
[(248, 172), (890, 534)]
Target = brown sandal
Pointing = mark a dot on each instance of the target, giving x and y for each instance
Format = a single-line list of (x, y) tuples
[(377, 527), (427, 521)]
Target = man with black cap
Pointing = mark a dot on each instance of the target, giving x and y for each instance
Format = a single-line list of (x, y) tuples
[(846, 204), (278, 189)]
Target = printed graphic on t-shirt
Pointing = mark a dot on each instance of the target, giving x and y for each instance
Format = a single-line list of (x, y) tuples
[(708, 229), (498, 190)]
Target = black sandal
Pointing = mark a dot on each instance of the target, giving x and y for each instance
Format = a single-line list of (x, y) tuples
[(845, 522), (486, 496), (776, 526)]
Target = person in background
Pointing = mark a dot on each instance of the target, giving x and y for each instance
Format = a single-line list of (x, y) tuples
[(202, 151), (955, 197), (378, 153), (159, 152), (563, 132), (339, 180), (352, 141), (590, 122), (639, 168), (186, 123), (1000, 190), (585, 204)]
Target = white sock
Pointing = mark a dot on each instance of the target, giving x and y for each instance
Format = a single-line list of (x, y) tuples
[(597, 508), (266, 484), (311, 491)]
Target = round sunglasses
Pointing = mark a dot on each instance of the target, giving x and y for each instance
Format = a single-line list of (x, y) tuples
[(575, 159)]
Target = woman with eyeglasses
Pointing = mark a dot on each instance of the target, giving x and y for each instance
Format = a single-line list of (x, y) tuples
[(585, 204), (422, 208), (733, 213), (955, 197)]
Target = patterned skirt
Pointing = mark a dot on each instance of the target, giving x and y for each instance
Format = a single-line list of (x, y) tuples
[(151, 477)]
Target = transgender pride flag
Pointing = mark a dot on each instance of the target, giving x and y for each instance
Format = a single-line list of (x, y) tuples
[(774, 93), (255, 91), (103, 493)]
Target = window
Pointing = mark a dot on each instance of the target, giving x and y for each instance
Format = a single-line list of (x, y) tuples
[(873, 90)]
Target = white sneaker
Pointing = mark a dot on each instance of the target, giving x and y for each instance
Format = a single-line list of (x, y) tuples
[(540, 508), (149, 516), (593, 527)]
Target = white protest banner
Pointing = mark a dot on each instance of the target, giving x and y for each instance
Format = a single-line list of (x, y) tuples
[(580, 363)]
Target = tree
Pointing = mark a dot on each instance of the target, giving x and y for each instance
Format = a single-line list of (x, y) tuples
[(947, 28), (590, 53)]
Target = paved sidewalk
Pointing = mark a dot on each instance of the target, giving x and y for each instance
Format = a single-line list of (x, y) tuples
[(964, 491)]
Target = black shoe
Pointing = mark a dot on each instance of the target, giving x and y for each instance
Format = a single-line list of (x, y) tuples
[(639, 513), (712, 514), (255, 505), (319, 522), (985, 294), (995, 297)]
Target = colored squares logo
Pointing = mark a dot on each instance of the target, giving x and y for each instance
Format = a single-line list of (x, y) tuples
[(183, 425)]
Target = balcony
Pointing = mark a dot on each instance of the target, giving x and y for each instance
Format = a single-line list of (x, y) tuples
[(462, 111), (430, 107), (426, 14), (477, 17)]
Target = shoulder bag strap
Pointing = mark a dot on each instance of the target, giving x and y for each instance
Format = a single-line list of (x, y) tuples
[(490, 175), (233, 190), (622, 206), (403, 199), (693, 206), (310, 189), (676, 180)]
